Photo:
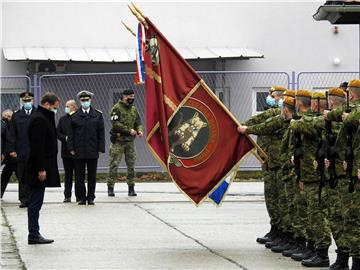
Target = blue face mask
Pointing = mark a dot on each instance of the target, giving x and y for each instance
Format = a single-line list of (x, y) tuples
[(67, 109), (85, 104), (27, 106), (280, 103), (270, 101), (54, 110)]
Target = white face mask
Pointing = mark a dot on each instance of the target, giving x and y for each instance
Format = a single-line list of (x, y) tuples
[(54, 110)]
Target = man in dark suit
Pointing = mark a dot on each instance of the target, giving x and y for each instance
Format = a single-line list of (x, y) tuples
[(42, 163), (85, 143), (63, 133), (18, 130), (8, 157)]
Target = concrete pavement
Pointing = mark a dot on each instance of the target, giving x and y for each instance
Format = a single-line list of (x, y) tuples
[(159, 229)]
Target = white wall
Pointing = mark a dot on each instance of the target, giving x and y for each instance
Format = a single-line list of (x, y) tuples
[(285, 33)]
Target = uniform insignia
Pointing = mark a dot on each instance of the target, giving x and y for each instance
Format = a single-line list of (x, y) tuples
[(98, 111)]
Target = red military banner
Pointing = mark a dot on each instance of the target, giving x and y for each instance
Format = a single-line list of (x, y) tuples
[(189, 130)]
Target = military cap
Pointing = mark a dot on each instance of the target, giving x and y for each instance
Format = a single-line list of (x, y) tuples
[(278, 88), (26, 96), (289, 93), (85, 94), (337, 92), (303, 93), (354, 83), (128, 92), (289, 102), (318, 94)]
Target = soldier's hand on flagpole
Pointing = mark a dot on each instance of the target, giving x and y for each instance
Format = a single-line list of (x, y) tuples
[(326, 114), (242, 129), (327, 163), (344, 116), (133, 132), (315, 164), (13, 154), (42, 176)]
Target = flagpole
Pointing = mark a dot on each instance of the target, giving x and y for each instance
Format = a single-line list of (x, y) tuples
[(129, 29), (139, 16)]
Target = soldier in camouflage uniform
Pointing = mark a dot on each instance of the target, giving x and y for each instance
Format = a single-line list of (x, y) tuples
[(352, 209), (277, 127), (265, 142), (318, 229), (126, 125), (336, 191)]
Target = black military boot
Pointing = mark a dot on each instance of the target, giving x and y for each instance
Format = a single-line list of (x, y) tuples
[(287, 243), (298, 247), (131, 191), (342, 261), (306, 254), (355, 264), (267, 237), (321, 259), (279, 238), (111, 192)]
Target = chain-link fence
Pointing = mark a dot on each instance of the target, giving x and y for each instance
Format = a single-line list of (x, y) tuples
[(242, 92), (324, 80), (10, 88)]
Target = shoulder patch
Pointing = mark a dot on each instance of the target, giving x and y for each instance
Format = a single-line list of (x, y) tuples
[(71, 113), (98, 111)]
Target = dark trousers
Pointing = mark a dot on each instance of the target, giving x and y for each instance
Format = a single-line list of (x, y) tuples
[(7, 172), (24, 190), (34, 205), (69, 167), (80, 166)]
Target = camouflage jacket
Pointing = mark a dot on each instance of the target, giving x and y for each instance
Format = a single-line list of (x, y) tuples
[(336, 116), (305, 127), (123, 119), (353, 120), (262, 140), (273, 129)]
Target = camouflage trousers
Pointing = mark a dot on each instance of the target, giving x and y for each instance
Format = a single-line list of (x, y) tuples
[(283, 207), (289, 214), (271, 196), (300, 220), (117, 150), (352, 222), (338, 201), (319, 227)]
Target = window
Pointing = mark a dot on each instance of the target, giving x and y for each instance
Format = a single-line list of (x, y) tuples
[(259, 99)]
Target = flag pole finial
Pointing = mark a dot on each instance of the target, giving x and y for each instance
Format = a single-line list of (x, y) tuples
[(129, 29), (138, 16), (138, 10)]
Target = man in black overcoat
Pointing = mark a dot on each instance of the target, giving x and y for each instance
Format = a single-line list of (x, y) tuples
[(64, 130), (42, 163)]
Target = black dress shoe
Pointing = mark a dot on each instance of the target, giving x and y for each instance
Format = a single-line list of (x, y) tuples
[(82, 202), (39, 240), (67, 200), (91, 202), (23, 205)]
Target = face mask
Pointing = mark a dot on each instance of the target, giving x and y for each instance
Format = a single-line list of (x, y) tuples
[(270, 101), (85, 104), (53, 110), (130, 101), (67, 109), (27, 106), (280, 103)]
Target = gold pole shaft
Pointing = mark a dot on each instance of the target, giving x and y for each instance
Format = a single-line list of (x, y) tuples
[(129, 29)]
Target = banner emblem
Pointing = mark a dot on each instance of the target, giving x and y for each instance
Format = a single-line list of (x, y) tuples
[(193, 134)]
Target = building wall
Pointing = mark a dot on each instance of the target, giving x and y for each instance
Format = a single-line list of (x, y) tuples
[(284, 32)]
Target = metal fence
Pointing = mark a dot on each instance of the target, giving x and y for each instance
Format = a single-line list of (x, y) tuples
[(324, 80), (10, 88), (236, 89), (242, 92)]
